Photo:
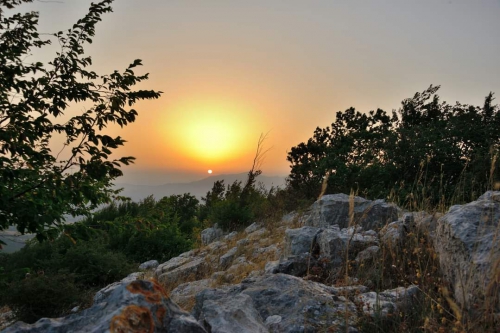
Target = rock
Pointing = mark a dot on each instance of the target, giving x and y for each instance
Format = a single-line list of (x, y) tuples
[(106, 291), (333, 243), (151, 264), (190, 271), (385, 303), (252, 227), (334, 209), (231, 236), (300, 240), (272, 267), (257, 234), (272, 323), (368, 254), (184, 294), (137, 306), (296, 265), (226, 260), (468, 247), (304, 306), (210, 235), (242, 242), (236, 314), (171, 265)]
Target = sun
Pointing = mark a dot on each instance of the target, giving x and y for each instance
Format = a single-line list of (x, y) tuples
[(210, 172), (211, 131)]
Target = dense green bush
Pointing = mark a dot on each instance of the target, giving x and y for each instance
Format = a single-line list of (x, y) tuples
[(428, 150), (40, 296)]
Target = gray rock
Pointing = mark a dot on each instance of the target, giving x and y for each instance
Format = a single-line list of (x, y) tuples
[(236, 314), (300, 240), (137, 306), (385, 303), (252, 227), (210, 235), (297, 265), (467, 242), (231, 236), (368, 254), (151, 264), (171, 265), (272, 267), (190, 271), (242, 242), (226, 260), (334, 209), (257, 234), (184, 294), (106, 291), (334, 242), (304, 306)]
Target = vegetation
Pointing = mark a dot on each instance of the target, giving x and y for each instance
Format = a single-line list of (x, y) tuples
[(39, 186), (426, 151)]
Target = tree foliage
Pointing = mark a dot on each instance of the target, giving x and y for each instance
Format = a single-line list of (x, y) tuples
[(428, 148), (36, 102)]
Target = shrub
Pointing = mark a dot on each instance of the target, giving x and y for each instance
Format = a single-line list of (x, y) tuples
[(41, 296)]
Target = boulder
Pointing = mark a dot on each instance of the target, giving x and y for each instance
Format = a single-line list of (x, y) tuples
[(210, 235), (333, 243), (137, 306), (151, 264), (226, 260), (236, 314), (300, 240), (285, 303), (368, 255), (334, 209), (184, 294), (106, 291), (193, 270), (385, 303), (467, 242)]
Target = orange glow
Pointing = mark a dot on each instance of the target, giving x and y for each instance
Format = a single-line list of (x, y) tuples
[(211, 131)]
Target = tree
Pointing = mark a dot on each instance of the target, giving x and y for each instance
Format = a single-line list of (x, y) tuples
[(37, 187), (440, 152)]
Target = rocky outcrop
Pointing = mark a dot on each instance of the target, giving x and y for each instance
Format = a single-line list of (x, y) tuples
[(335, 209), (282, 302), (467, 242), (262, 279), (212, 234), (137, 306)]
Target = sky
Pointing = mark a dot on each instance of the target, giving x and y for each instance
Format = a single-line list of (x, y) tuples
[(231, 70)]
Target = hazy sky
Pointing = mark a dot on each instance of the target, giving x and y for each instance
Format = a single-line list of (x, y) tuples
[(231, 70)]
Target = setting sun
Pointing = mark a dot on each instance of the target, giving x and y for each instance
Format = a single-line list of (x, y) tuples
[(210, 171), (212, 131)]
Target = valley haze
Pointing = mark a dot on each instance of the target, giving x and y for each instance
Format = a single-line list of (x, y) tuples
[(197, 188)]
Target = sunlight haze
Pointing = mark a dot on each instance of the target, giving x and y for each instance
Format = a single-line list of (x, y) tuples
[(231, 70)]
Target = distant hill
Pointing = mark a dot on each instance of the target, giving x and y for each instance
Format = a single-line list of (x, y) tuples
[(197, 188)]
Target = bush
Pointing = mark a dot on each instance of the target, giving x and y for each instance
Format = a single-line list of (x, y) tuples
[(439, 152), (42, 296)]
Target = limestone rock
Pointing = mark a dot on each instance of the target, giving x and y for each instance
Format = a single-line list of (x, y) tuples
[(227, 258), (385, 303), (304, 306), (236, 314), (466, 241), (184, 294), (333, 243), (137, 306), (151, 264), (300, 240), (210, 235), (191, 271), (334, 209), (368, 254)]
